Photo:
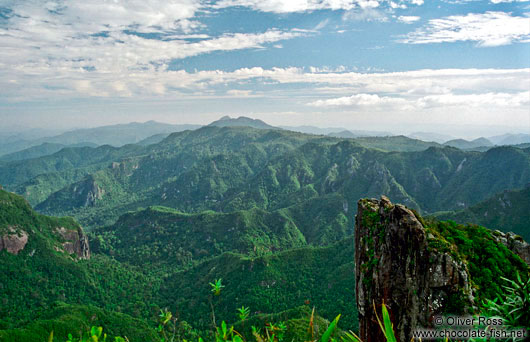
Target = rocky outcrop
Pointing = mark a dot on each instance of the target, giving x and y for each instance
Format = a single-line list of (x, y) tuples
[(86, 193), (514, 243), (76, 242), (14, 241), (93, 194), (395, 265)]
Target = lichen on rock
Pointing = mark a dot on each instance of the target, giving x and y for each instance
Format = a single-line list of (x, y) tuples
[(394, 265)]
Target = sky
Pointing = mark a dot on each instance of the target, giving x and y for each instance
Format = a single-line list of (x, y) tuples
[(449, 66)]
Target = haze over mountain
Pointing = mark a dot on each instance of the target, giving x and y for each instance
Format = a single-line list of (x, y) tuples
[(466, 145), (115, 135), (242, 121), (96, 185), (430, 136), (511, 139), (43, 149)]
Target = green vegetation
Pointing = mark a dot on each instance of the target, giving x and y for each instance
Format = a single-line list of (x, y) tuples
[(395, 143), (39, 277), (513, 305), (266, 216), (323, 277), (488, 261), (469, 145), (239, 168), (309, 329), (162, 235), (506, 211), (40, 151), (64, 320)]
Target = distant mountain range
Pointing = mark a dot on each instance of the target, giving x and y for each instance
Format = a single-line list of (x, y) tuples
[(115, 135), (430, 136), (36, 143), (510, 139), (268, 169), (41, 150), (483, 144), (466, 145), (338, 132)]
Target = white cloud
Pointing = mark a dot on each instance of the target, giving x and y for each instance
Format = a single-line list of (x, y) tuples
[(239, 93), (281, 6), (359, 100), (519, 99), (73, 37), (365, 14), (40, 82), (405, 102), (396, 5), (278, 6), (100, 15), (408, 19), (488, 29), (501, 1)]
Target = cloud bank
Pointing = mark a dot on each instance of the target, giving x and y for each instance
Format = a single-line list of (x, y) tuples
[(487, 29)]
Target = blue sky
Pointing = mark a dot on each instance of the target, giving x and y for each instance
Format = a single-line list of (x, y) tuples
[(452, 66)]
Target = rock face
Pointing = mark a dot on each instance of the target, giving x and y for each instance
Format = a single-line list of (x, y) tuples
[(93, 193), (514, 243), (86, 193), (394, 265), (76, 242), (13, 241)]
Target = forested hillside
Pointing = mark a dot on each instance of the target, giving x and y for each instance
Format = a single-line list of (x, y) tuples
[(507, 211), (270, 212), (41, 277), (240, 168), (159, 258)]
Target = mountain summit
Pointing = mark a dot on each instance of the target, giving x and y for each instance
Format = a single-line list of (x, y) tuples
[(227, 121)]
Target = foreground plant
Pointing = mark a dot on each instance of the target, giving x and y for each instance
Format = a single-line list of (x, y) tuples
[(166, 317), (95, 335), (243, 313), (386, 327), (225, 334), (514, 305), (217, 286)]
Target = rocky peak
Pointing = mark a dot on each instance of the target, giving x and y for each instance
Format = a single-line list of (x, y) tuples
[(75, 242), (394, 265), (88, 192), (514, 243)]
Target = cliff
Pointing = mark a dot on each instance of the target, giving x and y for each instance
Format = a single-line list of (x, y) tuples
[(13, 241), (75, 242), (395, 264), (21, 229)]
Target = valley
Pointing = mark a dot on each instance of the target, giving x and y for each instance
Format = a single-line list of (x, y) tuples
[(270, 212)]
